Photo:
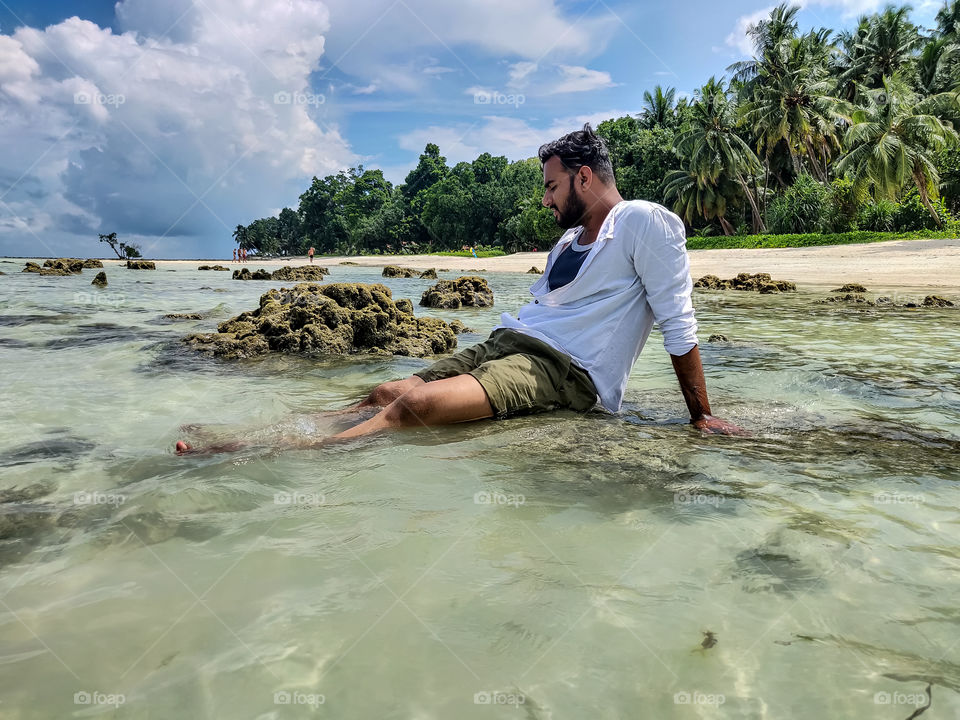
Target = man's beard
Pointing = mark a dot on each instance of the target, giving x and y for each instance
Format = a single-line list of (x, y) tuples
[(573, 213)]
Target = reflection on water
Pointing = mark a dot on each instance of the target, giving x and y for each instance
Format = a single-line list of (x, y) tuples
[(554, 566)]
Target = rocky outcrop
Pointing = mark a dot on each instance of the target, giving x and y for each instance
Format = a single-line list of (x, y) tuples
[(61, 266), (394, 271), (459, 328), (350, 262), (338, 319), (100, 280), (760, 282), (405, 305), (300, 273), (850, 288), (183, 316), (717, 337), (936, 301), (284, 274), (930, 301), (219, 268), (430, 274), (534, 271), (141, 265), (245, 274), (469, 291)]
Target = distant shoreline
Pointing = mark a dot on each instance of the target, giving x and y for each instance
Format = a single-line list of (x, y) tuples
[(917, 264)]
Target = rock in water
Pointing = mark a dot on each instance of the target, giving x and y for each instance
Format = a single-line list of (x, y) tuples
[(760, 282), (302, 272), (91, 263), (339, 319), (534, 271), (936, 301), (717, 338), (245, 274), (458, 327), (141, 265), (60, 266), (394, 271), (430, 274), (220, 268), (100, 280), (470, 291), (405, 305), (850, 288)]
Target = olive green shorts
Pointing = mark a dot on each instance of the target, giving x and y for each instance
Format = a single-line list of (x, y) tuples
[(520, 375)]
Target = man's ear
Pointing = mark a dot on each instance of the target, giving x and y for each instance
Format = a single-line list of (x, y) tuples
[(584, 177)]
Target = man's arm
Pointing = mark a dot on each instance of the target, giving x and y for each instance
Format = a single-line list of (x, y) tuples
[(694, 388)]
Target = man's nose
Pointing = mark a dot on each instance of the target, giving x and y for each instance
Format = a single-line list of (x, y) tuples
[(544, 202)]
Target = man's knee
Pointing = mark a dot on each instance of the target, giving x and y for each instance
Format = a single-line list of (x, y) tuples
[(411, 408), (386, 393)]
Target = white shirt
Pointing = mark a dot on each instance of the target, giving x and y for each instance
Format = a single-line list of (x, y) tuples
[(637, 273)]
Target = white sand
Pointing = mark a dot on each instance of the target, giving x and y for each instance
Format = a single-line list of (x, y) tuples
[(930, 264)]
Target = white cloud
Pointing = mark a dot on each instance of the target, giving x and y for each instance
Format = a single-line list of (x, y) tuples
[(581, 79), (737, 39), (366, 89), (123, 132), (519, 71), (498, 135)]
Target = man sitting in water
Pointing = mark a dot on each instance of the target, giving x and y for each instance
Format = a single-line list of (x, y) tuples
[(619, 267)]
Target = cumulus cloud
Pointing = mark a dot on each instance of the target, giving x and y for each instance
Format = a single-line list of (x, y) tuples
[(513, 137), (197, 116)]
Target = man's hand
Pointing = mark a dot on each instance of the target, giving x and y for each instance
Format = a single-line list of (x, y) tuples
[(694, 388), (717, 426)]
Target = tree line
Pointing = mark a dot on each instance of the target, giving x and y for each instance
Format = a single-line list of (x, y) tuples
[(818, 132)]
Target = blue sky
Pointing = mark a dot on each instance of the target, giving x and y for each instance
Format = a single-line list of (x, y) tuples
[(170, 122)]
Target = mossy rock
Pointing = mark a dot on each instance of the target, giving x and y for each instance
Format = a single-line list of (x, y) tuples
[(467, 291), (245, 274), (717, 337), (100, 280), (183, 316), (219, 268), (60, 266), (350, 262), (405, 305), (458, 327), (337, 319), (300, 273), (758, 282), (91, 263), (534, 271), (936, 301), (141, 265), (850, 288), (394, 271), (851, 298), (430, 274)]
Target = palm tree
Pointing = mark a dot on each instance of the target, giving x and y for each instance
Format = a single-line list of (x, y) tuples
[(658, 109), (948, 19), (887, 46), (713, 148), (240, 235), (893, 141), (695, 197), (767, 36), (793, 101), (937, 65)]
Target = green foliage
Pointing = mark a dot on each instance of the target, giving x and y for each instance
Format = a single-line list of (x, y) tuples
[(842, 208), (800, 208), (877, 216), (912, 214), (750, 242)]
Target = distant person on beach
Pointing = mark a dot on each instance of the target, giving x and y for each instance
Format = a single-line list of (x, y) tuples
[(234, 254), (310, 254), (620, 267)]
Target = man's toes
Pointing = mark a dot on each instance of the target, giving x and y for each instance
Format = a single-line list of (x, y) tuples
[(183, 447)]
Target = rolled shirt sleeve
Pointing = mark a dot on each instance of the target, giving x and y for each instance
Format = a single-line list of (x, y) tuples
[(661, 262)]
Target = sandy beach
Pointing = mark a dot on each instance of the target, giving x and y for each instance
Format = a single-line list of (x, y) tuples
[(930, 264)]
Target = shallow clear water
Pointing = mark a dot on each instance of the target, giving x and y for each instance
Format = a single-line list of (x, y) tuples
[(558, 566)]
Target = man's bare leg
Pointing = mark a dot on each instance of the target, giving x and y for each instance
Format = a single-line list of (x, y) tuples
[(441, 402)]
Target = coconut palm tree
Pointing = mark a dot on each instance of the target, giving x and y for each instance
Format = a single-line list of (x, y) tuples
[(713, 148), (767, 36), (894, 139), (887, 47), (658, 109), (948, 19), (793, 101), (693, 197), (937, 65)]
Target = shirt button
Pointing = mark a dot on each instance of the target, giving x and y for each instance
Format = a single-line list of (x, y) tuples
[(536, 302)]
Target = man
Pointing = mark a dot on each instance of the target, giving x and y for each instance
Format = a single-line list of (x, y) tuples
[(310, 254), (620, 267)]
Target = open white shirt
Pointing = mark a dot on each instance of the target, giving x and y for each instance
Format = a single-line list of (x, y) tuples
[(637, 273)]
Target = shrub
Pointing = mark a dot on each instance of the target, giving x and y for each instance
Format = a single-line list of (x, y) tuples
[(842, 207), (800, 208), (911, 213), (877, 216)]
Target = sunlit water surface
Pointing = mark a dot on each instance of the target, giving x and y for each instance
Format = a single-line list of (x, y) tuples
[(557, 566)]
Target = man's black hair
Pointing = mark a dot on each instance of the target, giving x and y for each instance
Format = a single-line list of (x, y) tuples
[(579, 148)]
